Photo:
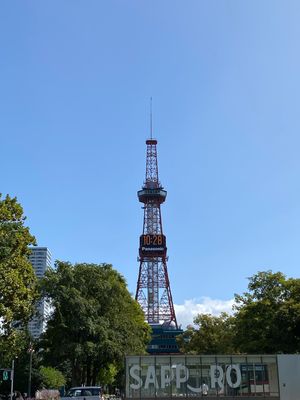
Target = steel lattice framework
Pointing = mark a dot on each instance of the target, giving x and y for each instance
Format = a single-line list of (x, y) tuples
[(153, 287)]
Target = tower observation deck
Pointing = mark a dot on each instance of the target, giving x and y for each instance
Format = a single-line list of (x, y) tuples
[(153, 287)]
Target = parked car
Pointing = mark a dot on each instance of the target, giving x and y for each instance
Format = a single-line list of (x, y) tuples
[(84, 393)]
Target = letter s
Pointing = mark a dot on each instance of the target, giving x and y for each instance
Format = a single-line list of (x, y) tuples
[(134, 373)]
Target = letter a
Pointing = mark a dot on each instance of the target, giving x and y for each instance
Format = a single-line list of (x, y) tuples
[(151, 378)]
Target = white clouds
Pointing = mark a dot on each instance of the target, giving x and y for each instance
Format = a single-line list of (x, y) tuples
[(186, 312)]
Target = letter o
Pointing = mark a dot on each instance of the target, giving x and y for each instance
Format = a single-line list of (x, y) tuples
[(238, 375)]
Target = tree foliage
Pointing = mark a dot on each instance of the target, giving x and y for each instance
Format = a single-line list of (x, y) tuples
[(95, 320), (267, 318), (17, 279), (108, 374), (210, 335), (51, 378), (21, 372)]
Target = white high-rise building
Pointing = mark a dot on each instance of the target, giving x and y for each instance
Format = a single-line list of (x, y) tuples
[(40, 259)]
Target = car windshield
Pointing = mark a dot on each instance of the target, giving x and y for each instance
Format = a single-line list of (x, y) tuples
[(85, 391)]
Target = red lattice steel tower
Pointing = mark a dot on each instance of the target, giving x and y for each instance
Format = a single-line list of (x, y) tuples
[(153, 287)]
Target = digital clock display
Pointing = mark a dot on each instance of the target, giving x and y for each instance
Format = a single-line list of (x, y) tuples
[(153, 245)]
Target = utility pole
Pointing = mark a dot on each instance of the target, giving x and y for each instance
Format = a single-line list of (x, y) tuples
[(12, 379), (30, 351)]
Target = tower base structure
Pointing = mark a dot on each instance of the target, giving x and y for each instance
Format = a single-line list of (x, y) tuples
[(163, 339)]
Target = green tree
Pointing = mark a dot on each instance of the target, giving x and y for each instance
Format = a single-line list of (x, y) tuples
[(267, 318), (17, 278), (51, 378), (108, 374), (22, 369), (210, 335), (95, 320)]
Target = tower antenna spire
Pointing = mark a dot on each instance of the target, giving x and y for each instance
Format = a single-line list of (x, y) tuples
[(151, 117)]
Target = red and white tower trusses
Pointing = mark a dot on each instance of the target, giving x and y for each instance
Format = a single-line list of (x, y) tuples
[(153, 287)]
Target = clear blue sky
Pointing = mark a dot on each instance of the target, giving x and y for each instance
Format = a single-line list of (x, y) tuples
[(75, 82)]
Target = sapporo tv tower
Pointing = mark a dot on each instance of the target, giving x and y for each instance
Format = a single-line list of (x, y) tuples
[(153, 287)]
